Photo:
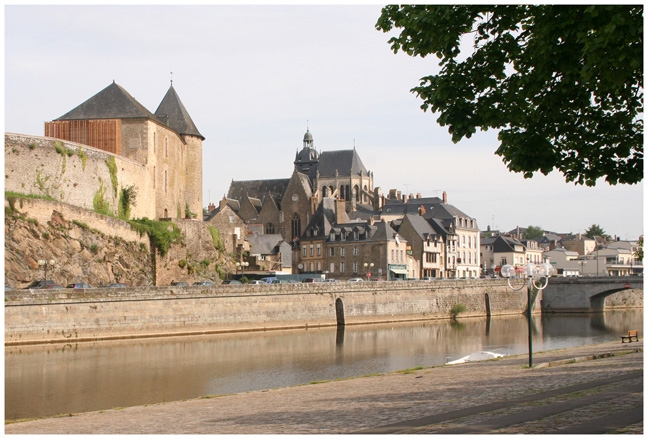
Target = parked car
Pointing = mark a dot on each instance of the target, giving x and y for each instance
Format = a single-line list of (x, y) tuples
[(256, 282), (270, 280), (53, 287), (231, 282), (79, 285), (204, 283), (356, 279), (117, 285), (331, 280), (39, 285), (179, 284), (310, 280)]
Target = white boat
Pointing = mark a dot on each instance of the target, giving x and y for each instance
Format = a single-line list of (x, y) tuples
[(477, 356)]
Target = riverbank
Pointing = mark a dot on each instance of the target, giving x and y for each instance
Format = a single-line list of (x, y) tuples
[(586, 389)]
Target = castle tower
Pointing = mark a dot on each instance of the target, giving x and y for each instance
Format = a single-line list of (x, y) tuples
[(172, 112)]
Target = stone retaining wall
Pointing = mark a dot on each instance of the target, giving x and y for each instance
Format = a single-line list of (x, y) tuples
[(33, 316)]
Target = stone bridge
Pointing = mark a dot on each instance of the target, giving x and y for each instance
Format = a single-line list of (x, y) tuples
[(589, 294)]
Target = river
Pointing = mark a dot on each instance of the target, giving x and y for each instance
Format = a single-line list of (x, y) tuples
[(49, 380)]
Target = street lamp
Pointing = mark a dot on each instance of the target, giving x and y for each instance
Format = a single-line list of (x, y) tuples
[(533, 274), (44, 263), (370, 267)]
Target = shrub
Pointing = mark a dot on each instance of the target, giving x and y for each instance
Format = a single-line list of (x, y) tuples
[(161, 233), (456, 310)]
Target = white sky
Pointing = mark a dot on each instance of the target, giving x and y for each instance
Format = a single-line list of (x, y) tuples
[(252, 76)]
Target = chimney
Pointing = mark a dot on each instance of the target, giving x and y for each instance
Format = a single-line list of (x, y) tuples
[(404, 198), (340, 212), (222, 203), (421, 210), (445, 197), (211, 207), (418, 195)]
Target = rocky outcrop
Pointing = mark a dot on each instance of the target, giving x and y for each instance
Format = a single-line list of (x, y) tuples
[(80, 253), (99, 250)]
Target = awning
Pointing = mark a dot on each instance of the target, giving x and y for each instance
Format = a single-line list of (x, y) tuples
[(398, 270)]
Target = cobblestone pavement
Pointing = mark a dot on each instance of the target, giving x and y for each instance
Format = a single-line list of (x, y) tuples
[(588, 389)]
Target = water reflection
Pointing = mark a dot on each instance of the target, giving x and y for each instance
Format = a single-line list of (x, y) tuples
[(53, 379)]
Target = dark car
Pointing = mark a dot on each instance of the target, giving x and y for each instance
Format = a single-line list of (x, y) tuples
[(79, 285), (231, 282), (310, 280), (40, 285), (179, 284), (204, 283)]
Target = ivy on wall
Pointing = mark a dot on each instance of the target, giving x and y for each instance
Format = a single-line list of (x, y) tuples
[(112, 169)]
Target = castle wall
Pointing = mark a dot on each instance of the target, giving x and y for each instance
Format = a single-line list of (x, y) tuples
[(73, 173)]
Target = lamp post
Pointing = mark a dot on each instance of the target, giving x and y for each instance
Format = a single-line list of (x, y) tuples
[(44, 263), (370, 266), (532, 274)]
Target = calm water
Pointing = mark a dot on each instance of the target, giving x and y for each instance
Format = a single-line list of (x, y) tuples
[(49, 380)]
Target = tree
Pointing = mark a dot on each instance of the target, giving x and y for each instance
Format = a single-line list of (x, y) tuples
[(596, 230), (562, 84), (639, 253), (533, 232)]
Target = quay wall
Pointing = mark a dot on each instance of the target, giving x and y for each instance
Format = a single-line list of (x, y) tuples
[(67, 316)]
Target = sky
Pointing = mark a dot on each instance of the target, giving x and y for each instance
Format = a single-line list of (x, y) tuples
[(254, 78)]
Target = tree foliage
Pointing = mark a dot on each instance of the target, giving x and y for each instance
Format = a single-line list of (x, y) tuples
[(562, 84), (533, 232), (596, 230)]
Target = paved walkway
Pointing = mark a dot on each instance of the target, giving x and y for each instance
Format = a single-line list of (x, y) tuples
[(600, 392)]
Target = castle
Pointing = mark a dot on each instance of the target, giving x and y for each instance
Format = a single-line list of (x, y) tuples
[(159, 154)]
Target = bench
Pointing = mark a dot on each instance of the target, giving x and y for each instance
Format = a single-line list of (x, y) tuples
[(629, 338)]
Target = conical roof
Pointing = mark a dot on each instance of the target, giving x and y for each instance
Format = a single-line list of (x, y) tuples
[(178, 117), (113, 102)]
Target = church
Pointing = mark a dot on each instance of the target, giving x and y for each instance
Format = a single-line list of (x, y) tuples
[(286, 206)]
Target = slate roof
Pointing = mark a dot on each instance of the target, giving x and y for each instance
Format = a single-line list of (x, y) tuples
[(264, 244), (346, 162), (176, 115), (323, 219), (113, 102), (421, 226), (411, 207), (258, 189)]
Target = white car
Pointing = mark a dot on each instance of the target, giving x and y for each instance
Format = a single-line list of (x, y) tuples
[(356, 279), (256, 282)]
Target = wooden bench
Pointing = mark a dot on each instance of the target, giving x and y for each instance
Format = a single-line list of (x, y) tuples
[(629, 338)]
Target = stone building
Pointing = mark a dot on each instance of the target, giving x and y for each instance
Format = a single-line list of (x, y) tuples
[(166, 143)]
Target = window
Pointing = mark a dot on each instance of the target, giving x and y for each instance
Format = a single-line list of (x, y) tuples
[(355, 251), (319, 266), (332, 267), (331, 251), (342, 267), (311, 267), (319, 250), (270, 229), (165, 182), (296, 226), (355, 267), (304, 251), (342, 251), (166, 147), (311, 251), (392, 255)]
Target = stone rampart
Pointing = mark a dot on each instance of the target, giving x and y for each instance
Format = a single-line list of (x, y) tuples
[(73, 173), (61, 316)]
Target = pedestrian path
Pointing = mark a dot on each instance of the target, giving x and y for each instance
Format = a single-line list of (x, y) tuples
[(587, 390)]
